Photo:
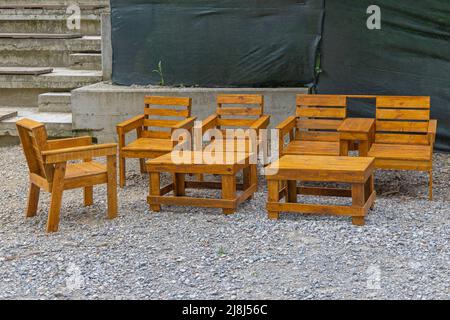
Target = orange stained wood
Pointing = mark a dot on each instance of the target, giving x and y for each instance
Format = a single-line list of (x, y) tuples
[(356, 125), (199, 162), (398, 151), (149, 144), (161, 117), (313, 148), (320, 168), (51, 169), (317, 120), (405, 135)]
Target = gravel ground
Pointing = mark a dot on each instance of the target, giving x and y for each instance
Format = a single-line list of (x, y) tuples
[(402, 252)]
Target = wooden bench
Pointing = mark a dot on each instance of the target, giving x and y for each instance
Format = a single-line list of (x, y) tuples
[(282, 177), (313, 130), (227, 167), (154, 128), (50, 170), (405, 135)]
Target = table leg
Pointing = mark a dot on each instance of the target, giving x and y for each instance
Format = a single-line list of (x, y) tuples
[(343, 147), (179, 186), (363, 148), (292, 191), (274, 197), (229, 191), (155, 189), (247, 179), (358, 201), (370, 188)]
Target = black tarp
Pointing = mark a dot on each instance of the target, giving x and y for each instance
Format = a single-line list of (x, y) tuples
[(410, 55), (262, 43), (221, 43)]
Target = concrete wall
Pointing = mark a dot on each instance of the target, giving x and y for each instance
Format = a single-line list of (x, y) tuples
[(99, 107)]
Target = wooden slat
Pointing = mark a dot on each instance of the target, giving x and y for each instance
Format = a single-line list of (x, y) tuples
[(166, 112), (316, 209), (403, 114), (240, 99), (157, 134), (315, 112), (317, 136), (401, 126), (321, 100), (235, 122), (168, 101), (239, 111), (160, 123), (407, 102), (318, 124), (392, 138), (188, 201)]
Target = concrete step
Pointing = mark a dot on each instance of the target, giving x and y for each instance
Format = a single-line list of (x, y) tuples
[(23, 90), (40, 3), (55, 102), (57, 124), (86, 61), (45, 52), (50, 20)]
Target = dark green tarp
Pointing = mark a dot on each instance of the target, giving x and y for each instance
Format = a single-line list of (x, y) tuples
[(221, 43), (410, 55)]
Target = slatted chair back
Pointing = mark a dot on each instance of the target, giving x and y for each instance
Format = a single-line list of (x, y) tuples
[(319, 116), (402, 120), (33, 137), (162, 113), (239, 110)]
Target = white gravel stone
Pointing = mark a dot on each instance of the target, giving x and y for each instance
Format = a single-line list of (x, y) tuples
[(402, 252)]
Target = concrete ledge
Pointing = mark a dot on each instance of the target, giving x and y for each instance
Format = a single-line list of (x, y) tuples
[(98, 108)]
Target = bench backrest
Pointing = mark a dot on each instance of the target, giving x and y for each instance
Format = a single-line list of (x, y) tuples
[(239, 110), (33, 137), (402, 120), (319, 116), (162, 113)]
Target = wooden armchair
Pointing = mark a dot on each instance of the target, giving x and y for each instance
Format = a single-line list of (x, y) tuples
[(405, 135), (50, 170), (154, 128), (237, 111), (313, 130)]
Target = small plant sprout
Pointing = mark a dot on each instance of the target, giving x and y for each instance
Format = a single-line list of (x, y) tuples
[(161, 73)]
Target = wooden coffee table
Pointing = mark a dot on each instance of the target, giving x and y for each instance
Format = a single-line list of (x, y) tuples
[(227, 169), (359, 130), (283, 175)]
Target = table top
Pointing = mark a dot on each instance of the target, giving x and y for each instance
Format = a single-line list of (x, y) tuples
[(200, 162), (321, 168), (359, 125)]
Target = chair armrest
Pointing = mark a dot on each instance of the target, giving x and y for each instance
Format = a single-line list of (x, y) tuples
[(79, 153), (209, 123), (131, 124), (69, 143), (262, 123), (432, 129), (187, 124), (286, 126)]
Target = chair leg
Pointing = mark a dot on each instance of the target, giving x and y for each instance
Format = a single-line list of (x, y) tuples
[(56, 198), (122, 168), (33, 200), (142, 165), (88, 196), (112, 186), (431, 185)]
